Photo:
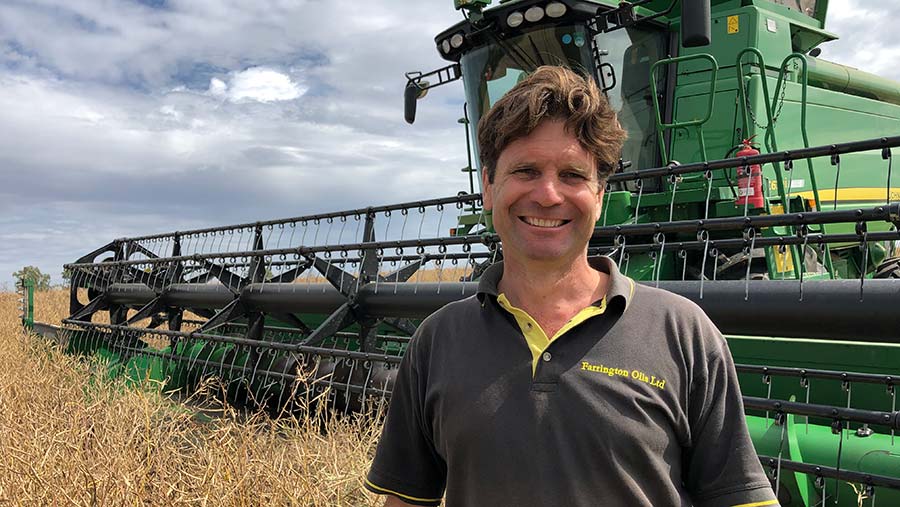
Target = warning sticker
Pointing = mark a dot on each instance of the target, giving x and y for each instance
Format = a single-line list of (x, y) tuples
[(733, 24)]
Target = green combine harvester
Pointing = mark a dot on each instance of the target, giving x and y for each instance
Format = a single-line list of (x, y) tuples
[(756, 181)]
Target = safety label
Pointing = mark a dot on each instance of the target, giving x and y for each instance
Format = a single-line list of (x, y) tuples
[(733, 24)]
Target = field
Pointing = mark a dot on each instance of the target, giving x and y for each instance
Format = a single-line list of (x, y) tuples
[(69, 436)]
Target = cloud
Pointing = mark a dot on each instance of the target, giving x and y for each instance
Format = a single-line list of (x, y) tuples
[(867, 36), (256, 83)]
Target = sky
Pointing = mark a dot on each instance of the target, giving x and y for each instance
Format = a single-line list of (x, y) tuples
[(130, 117)]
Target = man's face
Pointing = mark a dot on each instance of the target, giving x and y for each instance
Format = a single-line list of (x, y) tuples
[(545, 197)]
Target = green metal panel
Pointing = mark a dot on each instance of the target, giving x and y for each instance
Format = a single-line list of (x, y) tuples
[(880, 358), (795, 440)]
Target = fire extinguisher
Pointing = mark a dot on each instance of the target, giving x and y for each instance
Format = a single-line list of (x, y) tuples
[(749, 191)]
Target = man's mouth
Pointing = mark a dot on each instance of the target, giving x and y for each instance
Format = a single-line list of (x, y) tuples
[(543, 222)]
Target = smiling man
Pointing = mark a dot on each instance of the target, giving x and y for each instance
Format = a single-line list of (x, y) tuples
[(562, 382)]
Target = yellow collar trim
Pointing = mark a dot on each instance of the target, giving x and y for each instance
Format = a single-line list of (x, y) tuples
[(535, 337)]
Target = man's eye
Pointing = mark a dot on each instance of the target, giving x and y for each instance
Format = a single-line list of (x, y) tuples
[(573, 176)]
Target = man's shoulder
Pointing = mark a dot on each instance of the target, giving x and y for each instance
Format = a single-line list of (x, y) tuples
[(456, 309), (678, 315), (647, 297), (451, 315)]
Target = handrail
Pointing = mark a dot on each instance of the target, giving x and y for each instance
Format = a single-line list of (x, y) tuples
[(697, 122), (769, 137)]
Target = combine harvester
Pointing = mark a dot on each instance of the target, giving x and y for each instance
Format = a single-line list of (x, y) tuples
[(794, 252)]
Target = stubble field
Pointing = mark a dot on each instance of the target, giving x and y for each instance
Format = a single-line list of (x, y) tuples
[(70, 437)]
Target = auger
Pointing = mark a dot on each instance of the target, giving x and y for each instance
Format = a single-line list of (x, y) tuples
[(805, 286)]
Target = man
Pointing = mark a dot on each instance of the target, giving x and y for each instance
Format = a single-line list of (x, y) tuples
[(562, 382)]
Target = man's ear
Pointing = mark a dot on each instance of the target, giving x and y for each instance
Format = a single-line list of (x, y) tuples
[(486, 188), (601, 191)]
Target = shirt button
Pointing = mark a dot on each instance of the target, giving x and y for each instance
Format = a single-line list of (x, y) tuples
[(528, 325), (547, 356)]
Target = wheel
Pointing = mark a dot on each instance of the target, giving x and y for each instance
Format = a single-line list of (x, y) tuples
[(890, 268)]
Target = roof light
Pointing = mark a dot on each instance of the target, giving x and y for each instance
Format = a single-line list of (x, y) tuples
[(515, 19), (445, 45), (457, 40), (556, 9), (534, 14)]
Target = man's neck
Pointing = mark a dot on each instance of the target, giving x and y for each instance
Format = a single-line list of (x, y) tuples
[(552, 287)]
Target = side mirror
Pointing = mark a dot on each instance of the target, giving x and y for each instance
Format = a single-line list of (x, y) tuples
[(411, 94), (695, 23)]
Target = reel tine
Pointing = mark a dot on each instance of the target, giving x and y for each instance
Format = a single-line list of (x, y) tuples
[(606, 203), (846, 386), (804, 232), (248, 375), (368, 366), (780, 418), (673, 179), (659, 238), (749, 234), (746, 170), (637, 207), (861, 230), (714, 253), (838, 429), (421, 210), (892, 391), (804, 383), (441, 212), (619, 242), (703, 235), (268, 381), (836, 161), (886, 155), (709, 181), (788, 165), (347, 394), (820, 483)]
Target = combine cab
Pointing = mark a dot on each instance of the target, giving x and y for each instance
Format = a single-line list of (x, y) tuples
[(756, 181)]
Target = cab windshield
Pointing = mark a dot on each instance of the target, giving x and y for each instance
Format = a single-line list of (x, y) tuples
[(491, 70), (625, 57)]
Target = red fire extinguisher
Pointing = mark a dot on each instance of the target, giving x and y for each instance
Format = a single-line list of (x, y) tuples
[(749, 191)]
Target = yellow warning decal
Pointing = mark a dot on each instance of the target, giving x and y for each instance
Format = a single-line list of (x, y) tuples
[(784, 261), (734, 25)]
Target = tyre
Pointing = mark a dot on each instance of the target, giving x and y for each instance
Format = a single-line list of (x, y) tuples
[(890, 268)]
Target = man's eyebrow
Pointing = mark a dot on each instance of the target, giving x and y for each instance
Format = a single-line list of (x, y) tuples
[(577, 167)]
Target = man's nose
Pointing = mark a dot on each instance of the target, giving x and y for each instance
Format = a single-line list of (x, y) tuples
[(547, 192)]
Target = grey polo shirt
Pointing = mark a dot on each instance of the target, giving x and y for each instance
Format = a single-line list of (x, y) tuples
[(636, 405)]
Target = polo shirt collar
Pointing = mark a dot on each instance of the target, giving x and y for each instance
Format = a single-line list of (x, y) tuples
[(619, 284)]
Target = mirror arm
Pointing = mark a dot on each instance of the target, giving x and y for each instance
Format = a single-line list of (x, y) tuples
[(444, 75), (416, 86)]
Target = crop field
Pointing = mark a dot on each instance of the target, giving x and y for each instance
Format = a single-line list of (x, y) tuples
[(69, 435)]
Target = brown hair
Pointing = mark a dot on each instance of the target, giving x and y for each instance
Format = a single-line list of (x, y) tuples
[(553, 93)]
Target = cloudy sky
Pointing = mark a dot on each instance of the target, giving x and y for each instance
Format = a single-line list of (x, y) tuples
[(128, 117)]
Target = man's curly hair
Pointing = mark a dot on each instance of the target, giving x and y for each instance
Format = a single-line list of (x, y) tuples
[(553, 93)]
